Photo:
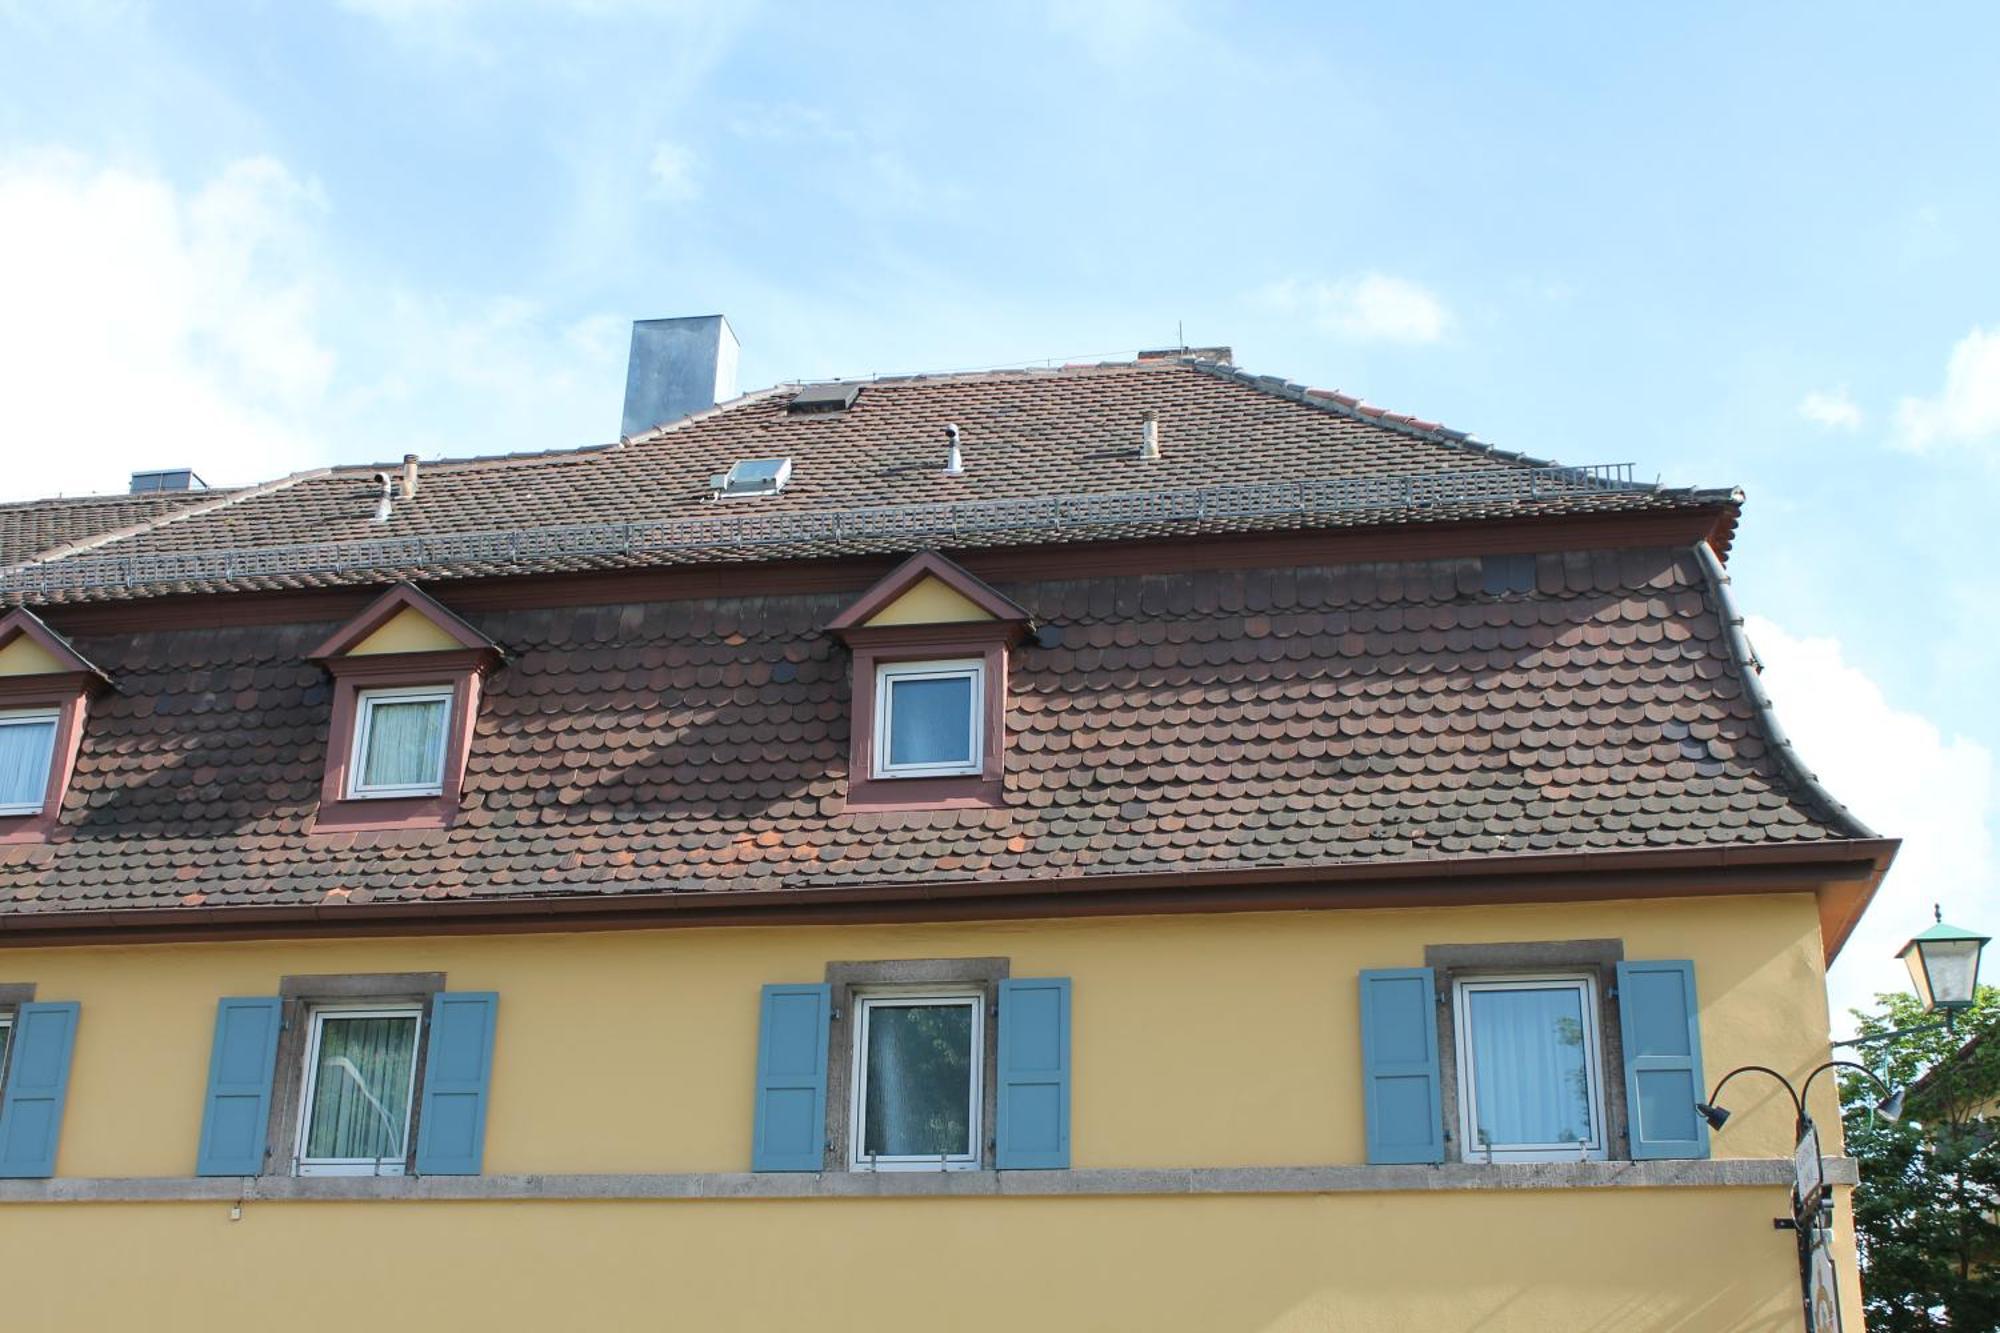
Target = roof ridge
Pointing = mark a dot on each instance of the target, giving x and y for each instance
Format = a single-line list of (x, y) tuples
[(158, 521), (1346, 405), (111, 497)]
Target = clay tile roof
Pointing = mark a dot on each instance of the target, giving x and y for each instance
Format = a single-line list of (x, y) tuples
[(29, 528), (1050, 455), (1207, 719)]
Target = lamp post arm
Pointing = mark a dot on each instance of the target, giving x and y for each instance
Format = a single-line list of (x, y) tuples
[(1798, 1106), (1945, 1026), (1862, 1069)]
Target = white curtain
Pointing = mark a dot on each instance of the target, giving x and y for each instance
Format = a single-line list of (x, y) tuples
[(405, 744), (25, 749), (361, 1088), (1531, 1071)]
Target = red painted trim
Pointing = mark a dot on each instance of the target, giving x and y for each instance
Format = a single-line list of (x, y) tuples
[(403, 597), (983, 639), (69, 694), (1828, 868), (926, 565), (339, 813)]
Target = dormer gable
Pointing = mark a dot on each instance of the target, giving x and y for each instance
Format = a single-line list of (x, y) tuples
[(407, 675), (931, 646), (46, 686), (29, 648), (404, 620), (928, 590)]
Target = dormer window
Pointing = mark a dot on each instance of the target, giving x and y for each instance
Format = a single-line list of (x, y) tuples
[(928, 720), (45, 692), (399, 743), (930, 647), (406, 683), (27, 752)]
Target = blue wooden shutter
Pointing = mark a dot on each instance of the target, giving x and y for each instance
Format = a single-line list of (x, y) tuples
[(37, 1081), (451, 1125), (235, 1121), (1399, 1065), (1661, 1026), (1034, 1075), (788, 1130)]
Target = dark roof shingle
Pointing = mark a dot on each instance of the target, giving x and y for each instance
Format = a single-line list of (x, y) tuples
[(1029, 437), (1280, 717)]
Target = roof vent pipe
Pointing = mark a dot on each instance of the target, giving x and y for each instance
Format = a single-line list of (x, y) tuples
[(384, 502), (409, 476), (954, 461), (1149, 435)]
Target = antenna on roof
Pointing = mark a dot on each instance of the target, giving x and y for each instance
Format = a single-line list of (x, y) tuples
[(954, 461), (1180, 334)]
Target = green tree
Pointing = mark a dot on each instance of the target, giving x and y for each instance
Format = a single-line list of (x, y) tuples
[(1927, 1212)]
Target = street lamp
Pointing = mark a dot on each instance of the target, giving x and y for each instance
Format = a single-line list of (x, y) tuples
[(1944, 966)]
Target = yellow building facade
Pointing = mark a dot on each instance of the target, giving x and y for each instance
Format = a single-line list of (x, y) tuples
[(1218, 1179)]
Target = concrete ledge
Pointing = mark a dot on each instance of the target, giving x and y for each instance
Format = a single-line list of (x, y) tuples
[(1764, 1172)]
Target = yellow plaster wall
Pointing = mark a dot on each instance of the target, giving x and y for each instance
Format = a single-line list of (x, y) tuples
[(929, 603), (636, 1050), (408, 631), (1198, 1041), (1689, 1261), (25, 657)]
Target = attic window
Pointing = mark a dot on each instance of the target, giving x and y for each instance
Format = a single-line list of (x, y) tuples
[(753, 476), (824, 398)]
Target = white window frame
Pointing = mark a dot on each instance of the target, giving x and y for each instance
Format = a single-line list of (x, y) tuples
[(19, 717), (969, 668), (364, 724), (1468, 1087), (354, 1166), (6, 1046), (864, 1003)]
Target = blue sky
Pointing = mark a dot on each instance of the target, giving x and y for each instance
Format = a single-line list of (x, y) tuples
[(1733, 247)]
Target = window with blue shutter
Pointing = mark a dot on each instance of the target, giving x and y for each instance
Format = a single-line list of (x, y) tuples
[(1660, 1023), (451, 1127), (1399, 1058), (235, 1120), (35, 1088), (1033, 1129), (788, 1131)]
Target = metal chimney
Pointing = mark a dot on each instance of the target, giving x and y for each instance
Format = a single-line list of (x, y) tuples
[(678, 367)]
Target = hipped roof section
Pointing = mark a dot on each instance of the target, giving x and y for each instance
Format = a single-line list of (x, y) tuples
[(1050, 456)]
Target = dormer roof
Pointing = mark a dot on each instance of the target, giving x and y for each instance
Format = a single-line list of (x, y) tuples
[(405, 619)]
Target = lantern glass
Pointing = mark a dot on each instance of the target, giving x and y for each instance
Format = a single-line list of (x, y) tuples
[(1944, 967)]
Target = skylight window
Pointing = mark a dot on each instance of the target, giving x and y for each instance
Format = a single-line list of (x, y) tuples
[(829, 398), (753, 476)]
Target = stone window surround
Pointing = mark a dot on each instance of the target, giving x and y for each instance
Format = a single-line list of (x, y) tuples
[(846, 978), (1598, 958), (299, 995)]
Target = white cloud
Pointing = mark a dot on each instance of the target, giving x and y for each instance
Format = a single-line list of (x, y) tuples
[(1904, 776), (1835, 410), (673, 169), (1373, 307), (209, 326), (1967, 410), (152, 327)]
